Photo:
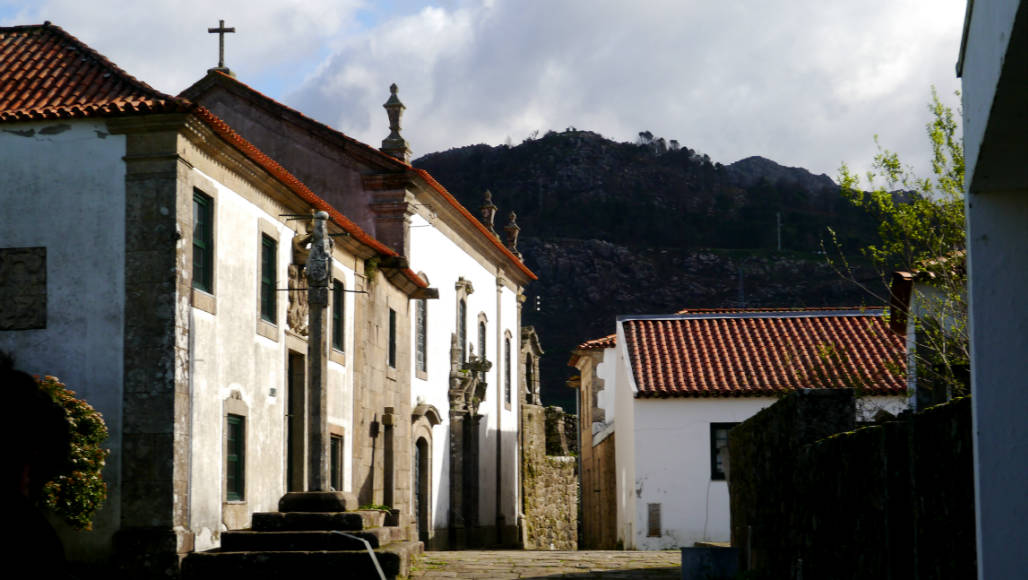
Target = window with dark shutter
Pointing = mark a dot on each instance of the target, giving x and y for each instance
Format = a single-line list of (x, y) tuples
[(338, 315), (235, 462), (203, 242), (269, 300)]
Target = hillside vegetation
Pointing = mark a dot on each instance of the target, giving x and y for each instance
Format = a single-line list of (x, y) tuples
[(645, 228)]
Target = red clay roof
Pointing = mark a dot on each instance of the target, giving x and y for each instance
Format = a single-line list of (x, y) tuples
[(49, 74), (384, 158), (609, 341), (745, 353), (46, 73)]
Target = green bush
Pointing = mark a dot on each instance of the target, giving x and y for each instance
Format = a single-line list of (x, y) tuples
[(79, 491)]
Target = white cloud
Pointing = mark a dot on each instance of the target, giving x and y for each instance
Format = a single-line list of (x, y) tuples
[(166, 43), (804, 82)]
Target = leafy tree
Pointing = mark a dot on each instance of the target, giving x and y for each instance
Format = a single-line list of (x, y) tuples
[(922, 232)]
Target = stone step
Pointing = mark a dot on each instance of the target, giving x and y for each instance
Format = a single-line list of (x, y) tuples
[(306, 540), (317, 521), (394, 558)]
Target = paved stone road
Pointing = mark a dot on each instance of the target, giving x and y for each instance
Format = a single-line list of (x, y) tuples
[(584, 565)]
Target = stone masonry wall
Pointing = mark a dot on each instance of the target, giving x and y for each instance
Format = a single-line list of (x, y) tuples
[(550, 484), (893, 500)]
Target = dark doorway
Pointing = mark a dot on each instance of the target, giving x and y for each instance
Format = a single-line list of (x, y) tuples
[(296, 422), (421, 489)]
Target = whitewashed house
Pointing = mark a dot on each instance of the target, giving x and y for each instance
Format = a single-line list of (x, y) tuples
[(993, 65), (145, 253), (682, 381)]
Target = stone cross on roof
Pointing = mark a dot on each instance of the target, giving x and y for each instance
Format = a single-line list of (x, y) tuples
[(221, 31)]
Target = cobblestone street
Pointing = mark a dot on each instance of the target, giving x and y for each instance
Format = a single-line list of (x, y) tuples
[(582, 565)]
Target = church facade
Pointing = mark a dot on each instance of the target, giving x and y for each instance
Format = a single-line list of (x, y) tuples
[(156, 265), (466, 467)]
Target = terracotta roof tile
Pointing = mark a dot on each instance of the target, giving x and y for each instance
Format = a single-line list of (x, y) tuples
[(747, 353), (608, 341), (49, 74), (46, 73)]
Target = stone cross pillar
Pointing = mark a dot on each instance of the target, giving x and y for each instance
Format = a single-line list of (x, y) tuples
[(319, 266)]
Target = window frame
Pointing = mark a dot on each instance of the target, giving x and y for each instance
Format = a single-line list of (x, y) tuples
[(335, 470), (203, 242), (653, 523), (718, 473), (338, 315), (235, 458), (462, 328), (483, 329), (269, 279), (421, 338), (391, 360), (506, 370)]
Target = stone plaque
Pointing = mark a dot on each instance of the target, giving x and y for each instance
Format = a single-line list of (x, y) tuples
[(22, 288)]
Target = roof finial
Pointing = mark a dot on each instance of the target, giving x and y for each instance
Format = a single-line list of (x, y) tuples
[(513, 230), (395, 144), (221, 31), (488, 209)]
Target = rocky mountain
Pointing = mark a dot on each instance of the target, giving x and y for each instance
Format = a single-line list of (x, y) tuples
[(645, 228)]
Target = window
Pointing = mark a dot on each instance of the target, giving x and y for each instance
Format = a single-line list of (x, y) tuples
[(420, 335), (462, 328), (719, 450), (203, 242), (23, 288), (336, 462), (235, 458), (653, 520), (392, 338), (529, 378), (506, 370), (481, 340), (268, 279), (338, 315)]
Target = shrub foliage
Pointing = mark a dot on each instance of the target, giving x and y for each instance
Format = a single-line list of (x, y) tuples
[(79, 491)]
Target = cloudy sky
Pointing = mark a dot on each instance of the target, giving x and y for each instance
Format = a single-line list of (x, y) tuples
[(803, 82)]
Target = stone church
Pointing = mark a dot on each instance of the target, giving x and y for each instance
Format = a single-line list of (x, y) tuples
[(154, 256)]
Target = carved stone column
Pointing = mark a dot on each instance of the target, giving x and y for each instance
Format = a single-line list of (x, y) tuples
[(318, 268)]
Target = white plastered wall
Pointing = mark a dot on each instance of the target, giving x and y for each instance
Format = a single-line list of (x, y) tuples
[(994, 82), (231, 357), (672, 455), (624, 445), (62, 186), (444, 262)]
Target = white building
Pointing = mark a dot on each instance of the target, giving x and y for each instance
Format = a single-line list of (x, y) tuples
[(682, 381), (994, 67), (143, 251)]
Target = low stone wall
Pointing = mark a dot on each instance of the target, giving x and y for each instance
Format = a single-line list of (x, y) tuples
[(549, 484), (891, 501)]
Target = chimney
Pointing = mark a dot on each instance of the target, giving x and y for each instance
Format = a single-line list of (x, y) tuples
[(899, 301), (395, 144)]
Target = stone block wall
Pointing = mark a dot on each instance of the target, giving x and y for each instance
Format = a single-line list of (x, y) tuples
[(561, 432), (894, 500), (549, 482)]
